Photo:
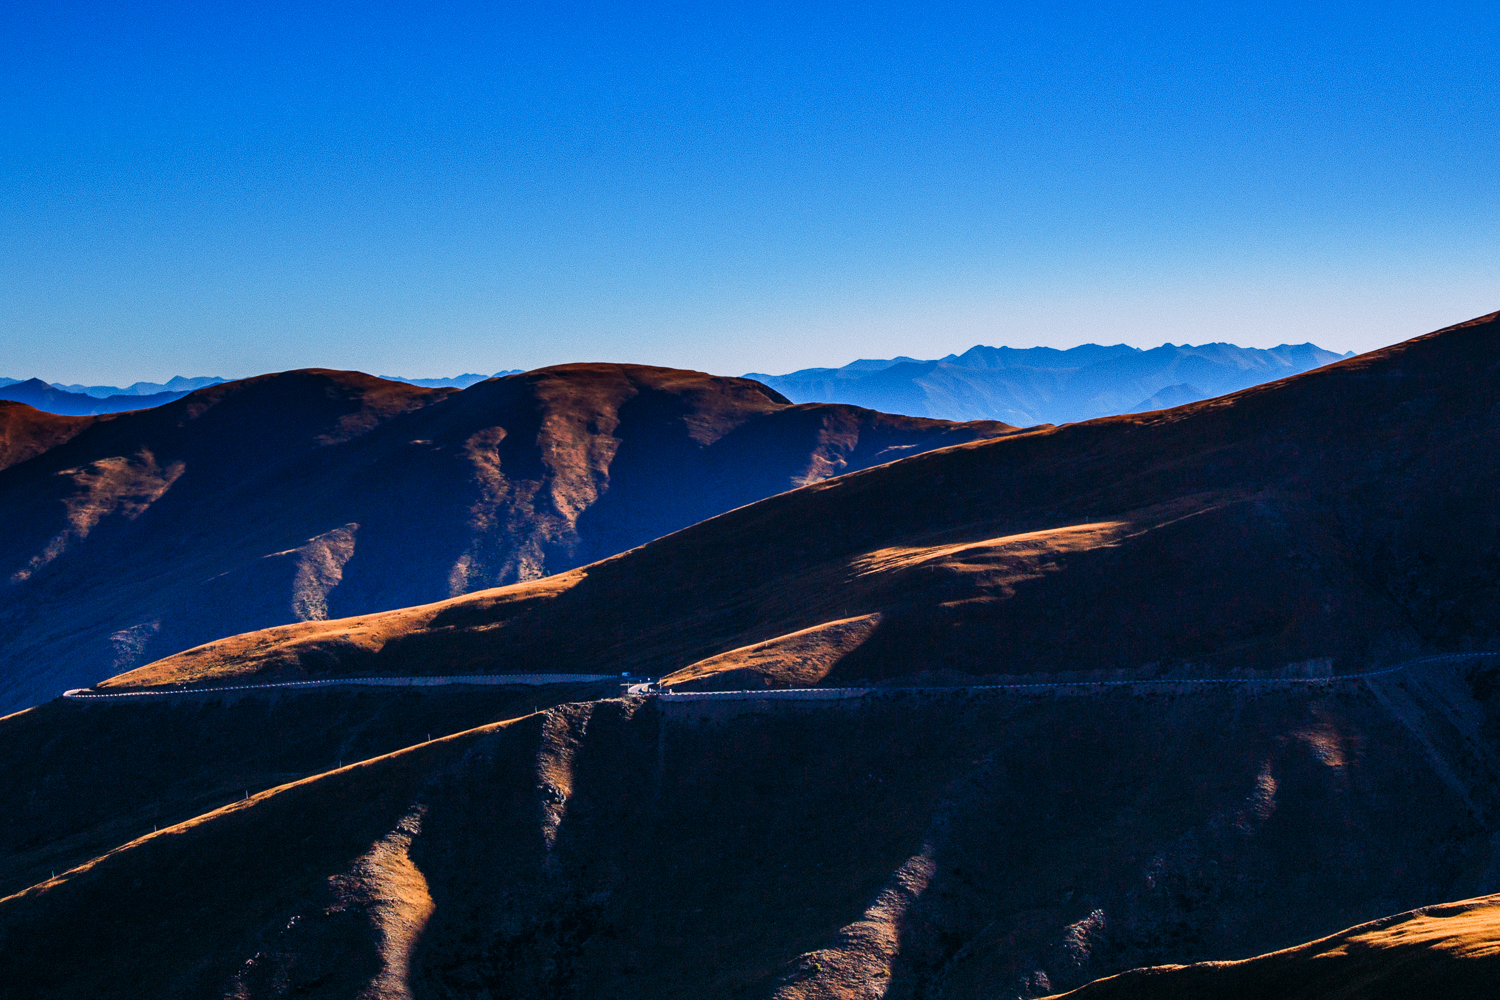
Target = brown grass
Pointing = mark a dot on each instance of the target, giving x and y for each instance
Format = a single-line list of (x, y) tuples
[(1450, 950), (26, 432)]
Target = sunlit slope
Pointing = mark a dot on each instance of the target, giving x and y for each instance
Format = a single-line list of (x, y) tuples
[(317, 494), (1331, 521), (1447, 952), (898, 845)]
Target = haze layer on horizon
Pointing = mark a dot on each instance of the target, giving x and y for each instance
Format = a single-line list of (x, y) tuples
[(482, 187)]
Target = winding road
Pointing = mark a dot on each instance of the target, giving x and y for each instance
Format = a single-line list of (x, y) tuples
[(650, 688)]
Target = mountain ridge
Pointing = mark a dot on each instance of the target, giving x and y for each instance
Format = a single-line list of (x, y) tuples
[(87, 400), (626, 848)]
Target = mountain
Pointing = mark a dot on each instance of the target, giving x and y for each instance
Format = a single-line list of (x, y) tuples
[(1044, 385), (1172, 395), (176, 384), (984, 845), (457, 382), (26, 432), (35, 392), (94, 399), (1337, 518), (1191, 759), (313, 494)]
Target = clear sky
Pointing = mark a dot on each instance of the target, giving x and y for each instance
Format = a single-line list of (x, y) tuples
[(232, 188)]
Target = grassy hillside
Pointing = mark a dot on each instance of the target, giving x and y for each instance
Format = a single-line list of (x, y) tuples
[(1451, 950), (1337, 520), (317, 494)]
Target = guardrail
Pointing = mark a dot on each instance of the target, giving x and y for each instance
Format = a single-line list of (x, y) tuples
[(830, 693), (485, 680), (771, 694)]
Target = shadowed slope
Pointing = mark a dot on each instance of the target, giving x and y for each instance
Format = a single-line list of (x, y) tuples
[(543, 471), (894, 846), (1331, 521), (113, 533), (310, 495), (76, 781)]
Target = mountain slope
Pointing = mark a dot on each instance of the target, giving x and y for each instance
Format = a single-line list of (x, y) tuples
[(26, 432), (1331, 521), (1452, 950), (892, 840), (76, 784), (1043, 385), (969, 846), (313, 494)]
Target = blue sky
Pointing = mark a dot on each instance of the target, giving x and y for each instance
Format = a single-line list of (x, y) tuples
[(463, 187)]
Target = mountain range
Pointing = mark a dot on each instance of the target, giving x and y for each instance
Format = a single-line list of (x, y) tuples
[(317, 494), (456, 382), (1256, 531), (1191, 702), (35, 392), (1019, 386), (1043, 385), (87, 400), (175, 384)]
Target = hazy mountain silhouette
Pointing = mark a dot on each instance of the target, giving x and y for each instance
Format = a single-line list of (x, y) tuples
[(58, 398), (35, 392), (456, 382), (176, 384), (1044, 385)]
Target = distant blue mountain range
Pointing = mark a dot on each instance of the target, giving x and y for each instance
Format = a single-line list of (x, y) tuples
[(457, 381), (177, 384), (1043, 385), (85, 400), (1022, 386), (35, 392)]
